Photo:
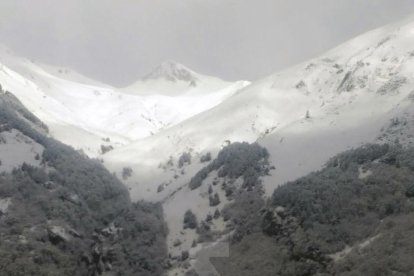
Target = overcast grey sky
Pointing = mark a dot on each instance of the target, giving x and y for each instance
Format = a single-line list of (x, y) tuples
[(118, 41)]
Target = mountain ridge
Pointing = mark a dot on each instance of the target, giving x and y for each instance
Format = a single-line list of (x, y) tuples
[(330, 92), (97, 113), (303, 116), (172, 71)]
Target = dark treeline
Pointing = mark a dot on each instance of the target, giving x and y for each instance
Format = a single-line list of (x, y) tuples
[(71, 216), (361, 204)]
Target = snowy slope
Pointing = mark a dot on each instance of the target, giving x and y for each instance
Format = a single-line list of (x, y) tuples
[(303, 115), (70, 75), (84, 114), (28, 67), (356, 84)]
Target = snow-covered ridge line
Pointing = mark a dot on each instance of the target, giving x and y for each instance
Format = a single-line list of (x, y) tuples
[(303, 115), (87, 115), (174, 79)]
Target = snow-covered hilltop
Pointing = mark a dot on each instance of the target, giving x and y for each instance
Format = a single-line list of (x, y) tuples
[(173, 71), (86, 115), (174, 79)]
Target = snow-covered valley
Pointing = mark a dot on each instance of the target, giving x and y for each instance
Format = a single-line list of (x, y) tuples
[(86, 116), (162, 126)]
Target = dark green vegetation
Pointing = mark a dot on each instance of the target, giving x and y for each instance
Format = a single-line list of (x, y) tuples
[(71, 216), (126, 173), (190, 220), (237, 159), (185, 158), (206, 157), (10, 103), (360, 204), (244, 161)]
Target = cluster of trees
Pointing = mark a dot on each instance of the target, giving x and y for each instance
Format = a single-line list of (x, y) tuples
[(205, 158), (308, 221), (126, 172), (190, 220), (185, 158), (214, 200), (100, 229), (242, 213), (12, 105), (106, 148), (249, 161)]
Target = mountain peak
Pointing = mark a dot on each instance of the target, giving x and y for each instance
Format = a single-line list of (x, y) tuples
[(172, 71)]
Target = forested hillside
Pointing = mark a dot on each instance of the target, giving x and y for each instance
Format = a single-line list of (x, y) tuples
[(354, 217), (62, 213)]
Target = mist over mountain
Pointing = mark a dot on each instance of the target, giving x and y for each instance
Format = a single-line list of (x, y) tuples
[(117, 42)]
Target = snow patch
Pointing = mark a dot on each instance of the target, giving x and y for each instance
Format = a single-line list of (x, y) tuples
[(363, 173), (4, 204), (16, 149)]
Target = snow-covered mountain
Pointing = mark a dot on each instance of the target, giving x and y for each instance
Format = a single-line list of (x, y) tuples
[(84, 114), (340, 99), (359, 92), (304, 115), (173, 79)]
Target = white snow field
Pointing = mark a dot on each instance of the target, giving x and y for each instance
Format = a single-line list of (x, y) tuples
[(82, 113), (349, 94)]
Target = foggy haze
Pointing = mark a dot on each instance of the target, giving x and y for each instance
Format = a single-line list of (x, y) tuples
[(117, 42)]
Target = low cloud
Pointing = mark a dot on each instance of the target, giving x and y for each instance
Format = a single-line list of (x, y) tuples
[(119, 41)]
